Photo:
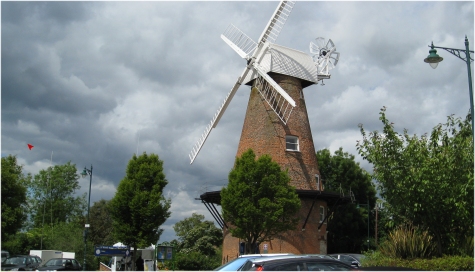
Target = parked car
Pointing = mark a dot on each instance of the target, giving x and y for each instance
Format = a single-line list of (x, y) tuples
[(295, 263), (61, 264), (5, 254), (236, 264), (21, 263), (352, 259)]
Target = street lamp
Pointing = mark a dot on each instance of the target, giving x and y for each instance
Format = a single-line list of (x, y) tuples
[(433, 59), (84, 173), (367, 205)]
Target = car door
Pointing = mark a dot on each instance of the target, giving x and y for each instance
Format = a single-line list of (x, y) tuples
[(38, 262), (327, 266), (29, 263), (290, 265), (76, 265)]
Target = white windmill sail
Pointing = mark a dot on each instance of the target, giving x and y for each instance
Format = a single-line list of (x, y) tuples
[(243, 45), (274, 26), (274, 95), (240, 42)]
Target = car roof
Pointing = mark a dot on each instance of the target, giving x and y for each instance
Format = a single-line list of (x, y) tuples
[(286, 257), (266, 254), (11, 256)]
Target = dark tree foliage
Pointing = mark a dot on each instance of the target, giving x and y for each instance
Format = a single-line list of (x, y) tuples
[(427, 180), (139, 208), (259, 202), (13, 197), (348, 225), (100, 219)]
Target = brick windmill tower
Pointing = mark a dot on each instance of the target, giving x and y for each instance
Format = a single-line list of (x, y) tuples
[(277, 124)]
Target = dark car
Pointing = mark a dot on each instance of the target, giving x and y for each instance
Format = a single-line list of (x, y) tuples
[(21, 263), (295, 263), (61, 264), (352, 259)]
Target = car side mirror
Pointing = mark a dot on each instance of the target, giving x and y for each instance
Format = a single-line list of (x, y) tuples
[(354, 264)]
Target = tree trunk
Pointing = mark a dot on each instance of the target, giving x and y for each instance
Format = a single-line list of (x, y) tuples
[(134, 258), (439, 244)]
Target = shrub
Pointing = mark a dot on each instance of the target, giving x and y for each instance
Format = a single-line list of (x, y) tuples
[(196, 261), (445, 263), (408, 242), (466, 248)]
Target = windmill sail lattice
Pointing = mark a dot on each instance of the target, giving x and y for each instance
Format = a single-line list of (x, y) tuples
[(239, 41), (277, 22), (245, 46), (274, 95)]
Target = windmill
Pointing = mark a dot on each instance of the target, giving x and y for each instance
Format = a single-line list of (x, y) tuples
[(276, 121)]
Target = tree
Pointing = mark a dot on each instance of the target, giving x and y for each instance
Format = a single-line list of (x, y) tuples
[(13, 197), (199, 242), (100, 232), (196, 234), (52, 196), (341, 171), (258, 203), (139, 208), (427, 181)]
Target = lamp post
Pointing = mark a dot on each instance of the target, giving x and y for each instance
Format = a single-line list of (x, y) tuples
[(433, 59), (84, 173), (367, 205)]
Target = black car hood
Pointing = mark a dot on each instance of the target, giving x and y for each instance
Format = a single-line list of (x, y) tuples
[(54, 267), (12, 265)]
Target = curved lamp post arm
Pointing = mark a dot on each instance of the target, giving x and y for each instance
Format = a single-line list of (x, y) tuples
[(464, 54)]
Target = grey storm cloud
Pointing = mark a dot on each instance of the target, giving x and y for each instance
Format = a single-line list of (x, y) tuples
[(96, 82)]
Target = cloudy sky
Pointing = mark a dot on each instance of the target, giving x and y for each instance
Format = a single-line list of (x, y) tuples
[(96, 82)]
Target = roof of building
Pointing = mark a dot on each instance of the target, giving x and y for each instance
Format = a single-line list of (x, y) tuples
[(283, 60)]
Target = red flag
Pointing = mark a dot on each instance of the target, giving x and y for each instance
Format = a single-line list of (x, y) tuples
[(30, 146)]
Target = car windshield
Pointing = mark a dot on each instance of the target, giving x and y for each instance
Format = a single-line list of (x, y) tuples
[(54, 262), (15, 260), (233, 265)]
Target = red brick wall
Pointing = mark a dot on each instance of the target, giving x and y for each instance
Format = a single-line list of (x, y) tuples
[(297, 241), (103, 267), (265, 133)]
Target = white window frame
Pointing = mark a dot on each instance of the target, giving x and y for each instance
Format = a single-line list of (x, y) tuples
[(292, 140), (322, 214)]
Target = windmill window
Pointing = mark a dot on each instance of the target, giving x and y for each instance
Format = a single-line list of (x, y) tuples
[(322, 213), (291, 143)]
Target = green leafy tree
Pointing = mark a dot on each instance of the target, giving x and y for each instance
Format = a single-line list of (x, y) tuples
[(100, 232), (139, 208), (52, 196), (342, 171), (13, 197), (259, 202), (197, 234), (427, 180), (199, 242)]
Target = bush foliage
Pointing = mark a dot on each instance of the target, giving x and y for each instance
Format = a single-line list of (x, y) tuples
[(408, 242), (445, 263)]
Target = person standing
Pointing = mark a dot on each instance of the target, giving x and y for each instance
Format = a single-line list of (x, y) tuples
[(139, 264)]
